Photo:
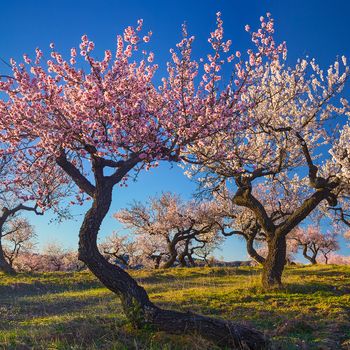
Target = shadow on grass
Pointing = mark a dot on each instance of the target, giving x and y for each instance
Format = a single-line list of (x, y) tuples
[(102, 333), (319, 271), (37, 285), (176, 274), (25, 309)]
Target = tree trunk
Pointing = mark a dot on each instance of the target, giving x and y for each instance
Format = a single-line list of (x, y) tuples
[(274, 262), (136, 304), (4, 265), (191, 260), (157, 259), (252, 252), (182, 256), (206, 262), (182, 260), (173, 254), (312, 258)]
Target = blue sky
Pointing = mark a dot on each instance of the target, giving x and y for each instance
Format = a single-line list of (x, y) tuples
[(316, 28)]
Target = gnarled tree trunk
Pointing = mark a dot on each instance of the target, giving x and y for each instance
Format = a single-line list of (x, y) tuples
[(136, 304), (252, 252), (191, 260), (4, 265), (184, 254), (173, 255), (312, 258), (274, 262)]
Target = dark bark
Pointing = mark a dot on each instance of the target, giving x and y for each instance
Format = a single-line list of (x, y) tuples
[(252, 252), (274, 262), (157, 259), (312, 258), (191, 260), (173, 254), (184, 254), (136, 304), (182, 260), (4, 265)]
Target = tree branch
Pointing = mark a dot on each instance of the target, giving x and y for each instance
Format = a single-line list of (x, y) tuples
[(80, 180)]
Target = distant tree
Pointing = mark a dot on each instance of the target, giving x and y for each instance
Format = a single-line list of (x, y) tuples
[(72, 263), (54, 255), (153, 250), (338, 259), (30, 262), (16, 197), (17, 232), (204, 250), (178, 224), (53, 258), (120, 249), (18, 239), (313, 242)]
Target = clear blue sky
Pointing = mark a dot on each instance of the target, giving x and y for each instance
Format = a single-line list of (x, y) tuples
[(318, 28)]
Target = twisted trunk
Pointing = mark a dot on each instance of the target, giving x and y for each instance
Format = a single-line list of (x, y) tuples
[(135, 301), (182, 260), (252, 252), (183, 255), (312, 258), (275, 261), (191, 260), (325, 258), (173, 254), (157, 259), (5, 267)]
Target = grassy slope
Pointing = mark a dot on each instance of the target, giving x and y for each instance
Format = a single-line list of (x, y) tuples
[(73, 311)]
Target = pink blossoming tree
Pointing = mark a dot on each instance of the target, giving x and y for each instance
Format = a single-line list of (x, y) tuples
[(181, 227), (101, 125), (18, 239), (313, 242)]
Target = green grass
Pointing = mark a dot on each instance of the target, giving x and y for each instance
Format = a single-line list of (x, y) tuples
[(74, 311)]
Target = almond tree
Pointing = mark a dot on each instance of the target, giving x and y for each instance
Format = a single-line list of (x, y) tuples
[(17, 231), (121, 249), (338, 259), (106, 122), (153, 250), (29, 195), (291, 249), (18, 239), (178, 224), (72, 263), (200, 246), (286, 132), (242, 222), (30, 262), (204, 249), (54, 256), (313, 241)]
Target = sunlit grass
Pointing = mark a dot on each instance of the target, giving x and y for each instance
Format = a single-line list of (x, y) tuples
[(74, 311)]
